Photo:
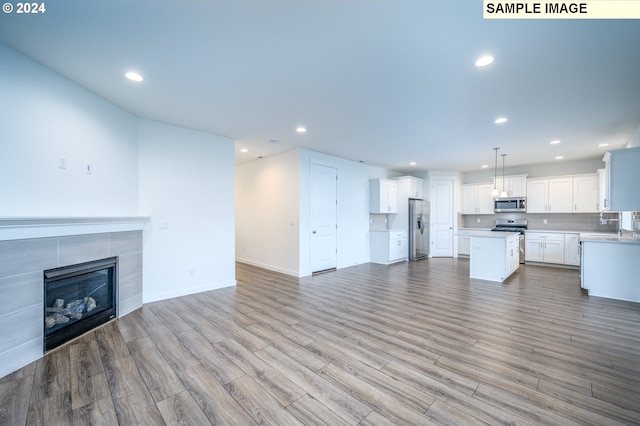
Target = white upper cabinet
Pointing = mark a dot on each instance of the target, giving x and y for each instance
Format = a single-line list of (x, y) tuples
[(410, 187), (586, 193), (603, 201), (537, 195), (516, 185), (383, 196), (623, 170), (477, 199), (563, 194)]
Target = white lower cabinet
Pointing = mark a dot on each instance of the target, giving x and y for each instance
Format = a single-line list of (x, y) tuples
[(544, 247), (388, 246), (464, 245), (572, 249), (513, 254)]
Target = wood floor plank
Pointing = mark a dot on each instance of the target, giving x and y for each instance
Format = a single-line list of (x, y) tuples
[(213, 399), (173, 351), (182, 409), (14, 400), (124, 379), (53, 410), (156, 372), (280, 387), (86, 390), (99, 412), (397, 410), (52, 375), (263, 407), (339, 401), (310, 411), (111, 343), (220, 367)]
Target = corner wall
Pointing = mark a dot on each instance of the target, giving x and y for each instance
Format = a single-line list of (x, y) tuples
[(186, 187)]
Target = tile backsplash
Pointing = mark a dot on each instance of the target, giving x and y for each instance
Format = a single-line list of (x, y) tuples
[(584, 222)]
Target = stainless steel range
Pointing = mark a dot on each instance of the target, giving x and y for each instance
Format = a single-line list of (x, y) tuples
[(513, 225)]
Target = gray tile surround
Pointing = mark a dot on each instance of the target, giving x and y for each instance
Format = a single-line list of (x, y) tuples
[(22, 263)]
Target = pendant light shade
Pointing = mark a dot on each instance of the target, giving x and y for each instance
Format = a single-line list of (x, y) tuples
[(503, 193), (494, 191)]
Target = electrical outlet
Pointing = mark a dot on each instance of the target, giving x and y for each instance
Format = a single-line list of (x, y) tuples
[(544, 221), (62, 163), (89, 169), (478, 220)]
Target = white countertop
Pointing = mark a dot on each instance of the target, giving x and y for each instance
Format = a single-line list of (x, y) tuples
[(486, 234), (595, 237), (555, 231)]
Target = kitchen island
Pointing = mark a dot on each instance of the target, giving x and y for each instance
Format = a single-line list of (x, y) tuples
[(493, 256), (610, 267)]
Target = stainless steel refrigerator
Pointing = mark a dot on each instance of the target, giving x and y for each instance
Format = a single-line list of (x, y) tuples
[(418, 229)]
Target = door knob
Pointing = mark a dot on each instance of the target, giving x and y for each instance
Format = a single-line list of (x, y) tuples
[(313, 232)]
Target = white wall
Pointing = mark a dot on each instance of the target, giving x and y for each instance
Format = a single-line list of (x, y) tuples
[(186, 186), (45, 117), (273, 192), (267, 212)]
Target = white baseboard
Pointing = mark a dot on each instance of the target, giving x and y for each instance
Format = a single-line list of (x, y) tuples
[(154, 297)]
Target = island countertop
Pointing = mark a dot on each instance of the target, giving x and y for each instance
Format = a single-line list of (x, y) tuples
[(487, 234)]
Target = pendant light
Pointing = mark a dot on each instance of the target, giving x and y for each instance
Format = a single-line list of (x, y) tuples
[(494, 191), (503, 193)]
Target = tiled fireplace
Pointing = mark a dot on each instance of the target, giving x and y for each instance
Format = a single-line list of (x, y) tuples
[(29, 247)]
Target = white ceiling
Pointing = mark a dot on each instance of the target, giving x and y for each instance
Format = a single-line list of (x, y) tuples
[(386, 81)]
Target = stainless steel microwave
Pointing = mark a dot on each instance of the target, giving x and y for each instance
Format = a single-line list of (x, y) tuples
[(510, 204)]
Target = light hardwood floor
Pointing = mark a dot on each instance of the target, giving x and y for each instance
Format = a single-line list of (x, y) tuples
[(410, 343)]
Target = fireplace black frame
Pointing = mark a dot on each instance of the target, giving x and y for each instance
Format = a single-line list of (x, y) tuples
[(73, 330)]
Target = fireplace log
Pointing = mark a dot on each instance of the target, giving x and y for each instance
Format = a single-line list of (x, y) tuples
[(90, 303), (55, 319)]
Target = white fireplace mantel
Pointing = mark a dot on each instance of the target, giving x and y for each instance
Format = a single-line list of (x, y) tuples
[(18, 228)]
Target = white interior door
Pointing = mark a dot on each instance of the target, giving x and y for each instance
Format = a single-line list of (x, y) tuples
[(324, 213), (442, 217)]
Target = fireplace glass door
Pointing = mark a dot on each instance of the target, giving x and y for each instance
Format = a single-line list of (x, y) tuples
[(78, 298)]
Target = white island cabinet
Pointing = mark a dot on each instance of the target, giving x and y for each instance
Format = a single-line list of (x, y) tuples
[(493, 255), (610, 267)]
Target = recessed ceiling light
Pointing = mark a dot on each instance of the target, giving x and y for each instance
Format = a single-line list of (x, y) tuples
[(484, 166), (483, 61), (412, 163), (603, 144), (554, 142), (134, 76), (501, 120), (559, 157), (244, 150), (301, 129)]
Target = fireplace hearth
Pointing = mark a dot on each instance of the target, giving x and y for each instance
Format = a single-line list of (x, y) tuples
[(77, 299)]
